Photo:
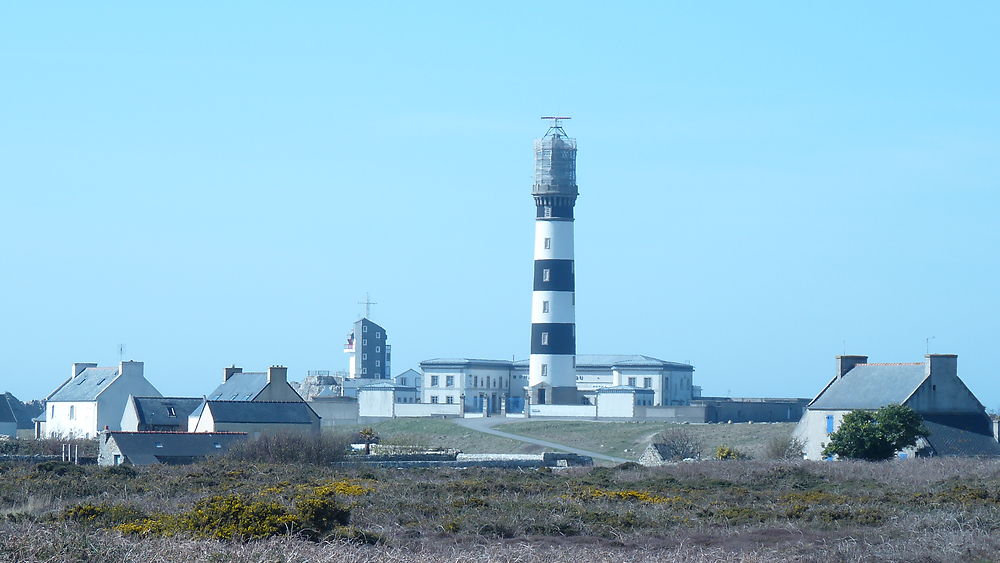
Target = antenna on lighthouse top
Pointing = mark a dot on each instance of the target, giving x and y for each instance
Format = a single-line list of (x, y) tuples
[(555, 127)]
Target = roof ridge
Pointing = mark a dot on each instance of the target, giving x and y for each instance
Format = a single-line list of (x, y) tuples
[(892, 364)]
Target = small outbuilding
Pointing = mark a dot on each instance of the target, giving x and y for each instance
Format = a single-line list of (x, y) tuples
[(148, 448)]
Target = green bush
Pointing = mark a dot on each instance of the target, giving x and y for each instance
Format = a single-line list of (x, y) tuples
[(58, 468), (313, 449), (876, 436), (103, 515)]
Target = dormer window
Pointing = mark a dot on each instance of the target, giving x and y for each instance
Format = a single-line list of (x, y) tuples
[(157, 444), (217, 445), (171, 412)]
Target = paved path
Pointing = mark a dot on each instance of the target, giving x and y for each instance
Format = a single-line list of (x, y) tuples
[(486, 425)]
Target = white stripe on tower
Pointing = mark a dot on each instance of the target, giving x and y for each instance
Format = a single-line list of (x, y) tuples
[(552, 364)]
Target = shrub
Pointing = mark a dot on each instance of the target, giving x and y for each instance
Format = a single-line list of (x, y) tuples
[(876, 436), (315, 449), (104, 514), (58, 468), (316, 515), (726, 452), (679, 443), (784, 447)]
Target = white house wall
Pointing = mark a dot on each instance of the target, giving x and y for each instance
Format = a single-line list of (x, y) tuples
[(83, 423), (811, 430)]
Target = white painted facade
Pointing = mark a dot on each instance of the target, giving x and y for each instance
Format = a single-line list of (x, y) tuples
[(475, 382)]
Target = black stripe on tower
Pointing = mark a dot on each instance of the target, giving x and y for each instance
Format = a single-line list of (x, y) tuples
[(554, 275), (553, 338)]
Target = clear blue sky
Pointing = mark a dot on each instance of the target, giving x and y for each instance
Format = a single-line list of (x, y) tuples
[(216, 183)]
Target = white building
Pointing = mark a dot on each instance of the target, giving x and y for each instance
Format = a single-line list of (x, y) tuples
[(94, 398), (957, 421), (475, 383)]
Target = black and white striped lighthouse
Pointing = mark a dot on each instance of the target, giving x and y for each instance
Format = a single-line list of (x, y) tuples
[(552, 364)]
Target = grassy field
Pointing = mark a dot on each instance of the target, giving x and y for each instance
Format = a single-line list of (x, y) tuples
[(931, 510), (441, 433), (629, 439)]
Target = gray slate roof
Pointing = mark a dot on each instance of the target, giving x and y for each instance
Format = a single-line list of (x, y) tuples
[(154, 410), (607, 361), (240, 387), (870, 386), (6, 413), (140, 448), (961, 435), (464, 362), (257, 412), (86, 386)]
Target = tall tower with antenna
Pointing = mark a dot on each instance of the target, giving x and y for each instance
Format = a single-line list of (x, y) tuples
[(552, 363)]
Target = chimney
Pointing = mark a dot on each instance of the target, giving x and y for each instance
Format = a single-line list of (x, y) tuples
[(847, 363), (277, 374), (130, 368), (941, 365), (229, 372), (79, 367)]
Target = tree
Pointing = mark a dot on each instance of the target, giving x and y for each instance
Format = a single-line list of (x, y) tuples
[(876, 435), (369, 436)]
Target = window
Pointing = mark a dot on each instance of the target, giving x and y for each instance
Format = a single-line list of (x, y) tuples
[(545, 306), (548, 243), (171, 412), (402, 381), (158, 444), (829, 424), (434, 399), (53, 413), (364, 356), (364, 328), (378, 363), (545, 274), (545, 369), (631, 382), (364, 342), (450, 400), (434, 381), (548, 211), (217, 445), (364, 371), (475, 381), (647, 382), (545, 339), (378, 348), (449, 380), (378, 335)]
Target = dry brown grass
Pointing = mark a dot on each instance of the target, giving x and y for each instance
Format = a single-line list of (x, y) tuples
[(927, 510)]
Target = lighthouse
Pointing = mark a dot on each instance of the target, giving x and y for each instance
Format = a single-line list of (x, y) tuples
[(552, 363)]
